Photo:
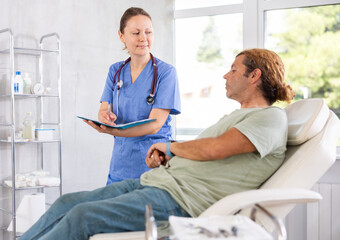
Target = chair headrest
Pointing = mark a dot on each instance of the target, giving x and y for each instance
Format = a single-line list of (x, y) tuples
[(306, 118)]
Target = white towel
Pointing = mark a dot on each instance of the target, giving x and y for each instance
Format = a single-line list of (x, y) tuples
[(32, 179), (217, 228), (48, 181)]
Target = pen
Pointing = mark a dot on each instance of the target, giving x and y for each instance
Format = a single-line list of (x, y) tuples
[(109, 110)]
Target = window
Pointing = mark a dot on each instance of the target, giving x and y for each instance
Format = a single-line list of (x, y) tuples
[(306, 34), (307, 39), (310, 36), (205, 49)]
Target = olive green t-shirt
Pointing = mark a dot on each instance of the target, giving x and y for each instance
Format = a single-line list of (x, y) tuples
[(196, 185)]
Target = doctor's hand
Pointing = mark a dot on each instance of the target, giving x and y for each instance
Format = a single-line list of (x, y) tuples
[(102, 128), (105, 117)]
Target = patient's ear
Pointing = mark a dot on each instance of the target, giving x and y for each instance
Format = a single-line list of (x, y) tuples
[(255, 76)]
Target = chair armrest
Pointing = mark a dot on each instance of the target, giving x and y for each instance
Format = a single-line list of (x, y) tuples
[(266, 197)]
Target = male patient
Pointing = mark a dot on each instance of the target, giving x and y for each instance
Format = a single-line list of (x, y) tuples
[(237, 153)]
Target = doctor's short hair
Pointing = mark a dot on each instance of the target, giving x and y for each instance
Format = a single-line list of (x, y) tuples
[(129, 13), (273, 84)]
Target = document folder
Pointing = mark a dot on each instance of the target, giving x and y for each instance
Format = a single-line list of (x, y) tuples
[(120, 126)]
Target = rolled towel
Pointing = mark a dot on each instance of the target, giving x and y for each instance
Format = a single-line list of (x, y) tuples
[(18, 184), (48, 181)]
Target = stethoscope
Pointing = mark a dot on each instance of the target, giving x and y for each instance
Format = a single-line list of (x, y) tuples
[(151, 98)]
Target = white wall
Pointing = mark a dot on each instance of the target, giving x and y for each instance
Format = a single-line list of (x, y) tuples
[(90, 44)]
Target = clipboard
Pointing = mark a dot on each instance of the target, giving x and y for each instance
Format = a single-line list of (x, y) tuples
[(120, 126)]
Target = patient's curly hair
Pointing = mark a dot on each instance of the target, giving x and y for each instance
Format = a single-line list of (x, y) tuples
[(273, 85)]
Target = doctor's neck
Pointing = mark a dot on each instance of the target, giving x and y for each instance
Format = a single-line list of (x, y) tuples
[(138, 62)]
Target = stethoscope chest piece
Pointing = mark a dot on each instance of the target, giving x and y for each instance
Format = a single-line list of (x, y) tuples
[(150, 99)]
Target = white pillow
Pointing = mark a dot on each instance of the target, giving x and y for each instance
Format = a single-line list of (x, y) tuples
[(306, 118)]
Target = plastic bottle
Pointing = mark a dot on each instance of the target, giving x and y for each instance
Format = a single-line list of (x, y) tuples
[(27, 83), (29, 127), (18, 83)]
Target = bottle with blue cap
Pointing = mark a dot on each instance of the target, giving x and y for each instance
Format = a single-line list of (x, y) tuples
[(18, 83)]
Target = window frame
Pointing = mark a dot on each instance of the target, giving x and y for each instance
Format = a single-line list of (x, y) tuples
[(253, 21)]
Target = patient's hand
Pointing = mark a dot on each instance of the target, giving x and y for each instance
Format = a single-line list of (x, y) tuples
[(156, 159)]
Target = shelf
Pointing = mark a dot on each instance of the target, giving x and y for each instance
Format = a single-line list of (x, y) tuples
[(18, 235), (29, 95), (3, 228), (29, 51), (35, 55), (5, 125), (32, 141), (43, 123), (4, 210), (29, 188), (46, 123)]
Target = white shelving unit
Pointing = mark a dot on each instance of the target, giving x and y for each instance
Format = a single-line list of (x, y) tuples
[(11, 126)]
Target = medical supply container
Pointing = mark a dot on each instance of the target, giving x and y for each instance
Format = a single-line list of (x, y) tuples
[(27, 83), (18, 83), (44, 134), (29, 127)]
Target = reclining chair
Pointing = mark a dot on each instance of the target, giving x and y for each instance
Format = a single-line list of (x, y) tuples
[(313, 131)]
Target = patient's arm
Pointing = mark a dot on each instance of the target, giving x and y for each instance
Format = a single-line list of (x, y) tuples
[(230, 143)]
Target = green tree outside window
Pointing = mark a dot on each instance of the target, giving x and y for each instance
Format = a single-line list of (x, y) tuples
[(310, 49)]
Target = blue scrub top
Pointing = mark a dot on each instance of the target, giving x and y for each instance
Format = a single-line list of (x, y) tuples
[(128, 156)]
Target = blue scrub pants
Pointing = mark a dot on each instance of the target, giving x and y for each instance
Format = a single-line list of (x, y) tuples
[(118, 207)]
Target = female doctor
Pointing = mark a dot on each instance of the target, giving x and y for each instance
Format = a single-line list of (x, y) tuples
[(140, 87)]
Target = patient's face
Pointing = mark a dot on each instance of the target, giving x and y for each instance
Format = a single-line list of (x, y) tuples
[(236, 83)]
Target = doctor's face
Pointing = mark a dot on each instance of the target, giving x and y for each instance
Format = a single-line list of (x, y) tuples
[(236, 83), (138, 35)]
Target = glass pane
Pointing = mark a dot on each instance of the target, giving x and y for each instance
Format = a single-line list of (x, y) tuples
[(308, 40), (205, 50), (185, 4)]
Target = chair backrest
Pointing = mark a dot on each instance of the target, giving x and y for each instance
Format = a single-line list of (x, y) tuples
[(311, 146), (313, 131)]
